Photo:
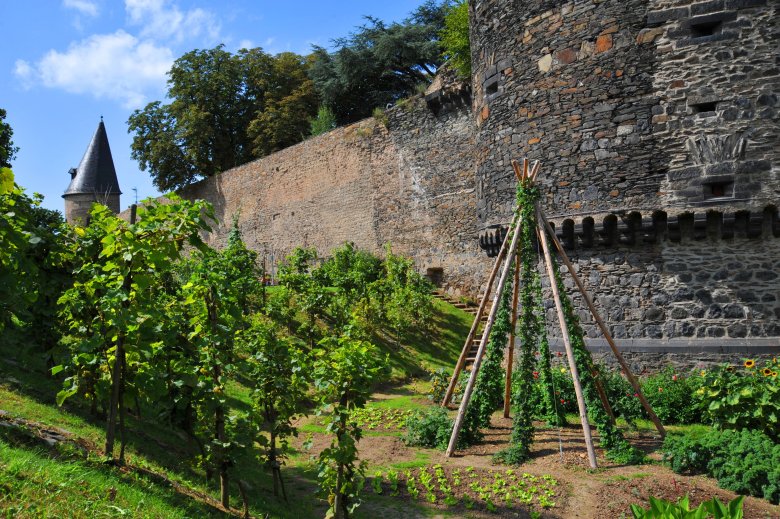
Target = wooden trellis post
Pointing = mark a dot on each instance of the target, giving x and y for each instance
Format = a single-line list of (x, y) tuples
[(569, 352), (602, 325), (511, 346), (485, 337), (506, 256), (462, 359)]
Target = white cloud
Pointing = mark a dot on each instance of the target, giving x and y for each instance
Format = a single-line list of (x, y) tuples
[(85, 7), (160, 19), (246, 44), (117, 66)]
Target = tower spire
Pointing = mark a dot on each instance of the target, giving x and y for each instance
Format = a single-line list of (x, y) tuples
[(94, 180)]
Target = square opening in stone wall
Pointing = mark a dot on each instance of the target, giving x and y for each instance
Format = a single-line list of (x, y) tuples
[(700, 30), (716, 190), (435, 275), (701, 108)]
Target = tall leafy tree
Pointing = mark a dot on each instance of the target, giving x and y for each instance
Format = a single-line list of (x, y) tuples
[(380, 63), (279, 373), (7, 148), (343, 374), (290, 101), (217, 118)]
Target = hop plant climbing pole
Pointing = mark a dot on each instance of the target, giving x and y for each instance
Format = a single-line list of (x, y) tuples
[(529, 212)]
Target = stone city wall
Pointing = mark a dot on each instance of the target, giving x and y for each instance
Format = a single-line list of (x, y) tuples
[(407, 180)]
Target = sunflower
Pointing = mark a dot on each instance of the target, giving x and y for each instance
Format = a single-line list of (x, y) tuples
[(750, 363), (730, 369), (766, 372), (774, 373)]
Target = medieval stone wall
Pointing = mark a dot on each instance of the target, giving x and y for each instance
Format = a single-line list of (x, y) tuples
[(657, 127), (407, 181)]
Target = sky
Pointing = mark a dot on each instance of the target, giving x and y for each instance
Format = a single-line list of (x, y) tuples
[(66, 63)]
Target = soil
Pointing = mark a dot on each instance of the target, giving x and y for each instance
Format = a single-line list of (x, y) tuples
[(606, 492)]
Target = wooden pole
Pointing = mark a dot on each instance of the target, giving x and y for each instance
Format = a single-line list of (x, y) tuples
[(511, 349), (485, 334), (569, 352), (608, 336), (480, 311)]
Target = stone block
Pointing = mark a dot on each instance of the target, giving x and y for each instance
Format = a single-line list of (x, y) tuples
[(545, 63), (603, 43), (659, 17), (566, 56), (707, 7)]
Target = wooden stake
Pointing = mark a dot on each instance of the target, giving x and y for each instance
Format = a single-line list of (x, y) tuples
[(569, 352), (485, 334), (480, 311), (535, 170), (518, 172), (511, 349), (608, 336)]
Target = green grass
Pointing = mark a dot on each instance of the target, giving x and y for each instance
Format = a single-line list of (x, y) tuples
[(436, 347), (35, 484)]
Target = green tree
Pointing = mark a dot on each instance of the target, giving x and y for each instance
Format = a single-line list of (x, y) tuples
[(324, 122), (343, 373), (455, 39), (379, 63), (112, 297), (217, 118), (7, 149), (16, 289), (33, 261), (290, 101)]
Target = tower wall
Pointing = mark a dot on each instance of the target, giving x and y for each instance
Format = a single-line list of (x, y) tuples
[(657, 127), (77, 206)]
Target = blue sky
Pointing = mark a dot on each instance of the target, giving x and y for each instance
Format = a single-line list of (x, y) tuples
[(65, 63)]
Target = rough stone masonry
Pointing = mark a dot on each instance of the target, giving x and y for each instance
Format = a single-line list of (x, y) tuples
[(657, 126)]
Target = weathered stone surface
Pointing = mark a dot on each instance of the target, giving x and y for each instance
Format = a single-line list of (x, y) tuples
[(648, 118)]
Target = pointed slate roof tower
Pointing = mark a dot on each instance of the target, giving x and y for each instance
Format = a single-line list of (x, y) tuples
[(93, 181)]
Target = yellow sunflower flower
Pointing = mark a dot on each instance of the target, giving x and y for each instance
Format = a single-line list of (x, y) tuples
[(766, 372), (750, 363)]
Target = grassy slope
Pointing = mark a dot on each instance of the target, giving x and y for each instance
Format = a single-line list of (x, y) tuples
[(36, 482)]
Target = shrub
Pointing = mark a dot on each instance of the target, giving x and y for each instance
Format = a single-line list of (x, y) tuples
[(432, 427), (663, 509), (746, 461), (671, 396), (564, 392), (429, 428), (324, 122), (746, 397), (621, 396)]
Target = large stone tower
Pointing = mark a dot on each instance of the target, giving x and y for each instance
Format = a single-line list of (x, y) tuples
[(93, 181), (657, 125)]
